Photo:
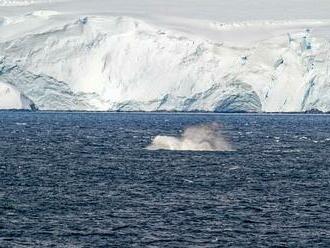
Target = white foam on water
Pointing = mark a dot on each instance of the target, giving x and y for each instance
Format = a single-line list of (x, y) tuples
[(206, 137)]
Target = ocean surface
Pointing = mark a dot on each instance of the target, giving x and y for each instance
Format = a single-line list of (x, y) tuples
[(86, 180)]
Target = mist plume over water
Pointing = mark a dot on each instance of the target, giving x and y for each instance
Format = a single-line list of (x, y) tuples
[(206, 137)]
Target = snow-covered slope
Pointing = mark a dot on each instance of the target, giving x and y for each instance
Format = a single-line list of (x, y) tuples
[(11, 98), (64, 58)]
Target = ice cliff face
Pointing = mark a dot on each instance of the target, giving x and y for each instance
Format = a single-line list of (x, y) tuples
[(11, 98), (122, 63)]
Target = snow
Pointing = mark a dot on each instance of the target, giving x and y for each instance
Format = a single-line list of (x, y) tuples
[(20, 3), (168, 55), (11, 98)]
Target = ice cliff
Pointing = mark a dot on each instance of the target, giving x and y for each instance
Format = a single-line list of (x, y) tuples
[(11, 98), (65, 61)]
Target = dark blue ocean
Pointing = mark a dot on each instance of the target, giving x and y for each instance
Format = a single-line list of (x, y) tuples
[(86, 180)]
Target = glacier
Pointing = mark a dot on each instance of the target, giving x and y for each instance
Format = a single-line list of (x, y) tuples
[(64, 58), (11, 98)]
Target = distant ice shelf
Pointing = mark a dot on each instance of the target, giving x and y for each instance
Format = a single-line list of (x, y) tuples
[(20, 3), (65, 61)]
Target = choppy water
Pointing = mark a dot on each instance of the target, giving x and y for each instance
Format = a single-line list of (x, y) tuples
[(85, 180)]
